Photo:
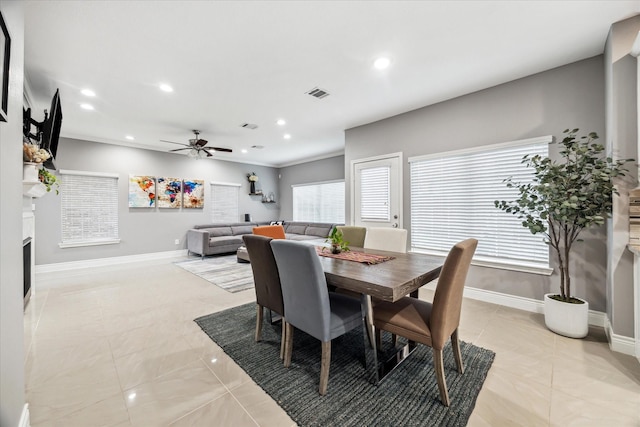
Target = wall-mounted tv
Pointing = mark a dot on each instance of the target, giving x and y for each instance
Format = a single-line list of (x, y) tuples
[(47, 132)]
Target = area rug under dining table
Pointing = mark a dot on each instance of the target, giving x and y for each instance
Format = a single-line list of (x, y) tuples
[(407, 397)]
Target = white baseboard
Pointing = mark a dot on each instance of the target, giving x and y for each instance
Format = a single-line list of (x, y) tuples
[(619, 343), (24, 418), (103, 262), (596, 318)]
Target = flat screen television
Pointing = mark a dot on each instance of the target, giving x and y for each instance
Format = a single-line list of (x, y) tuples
[(50, 130)]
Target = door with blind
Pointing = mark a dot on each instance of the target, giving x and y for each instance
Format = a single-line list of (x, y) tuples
[(376, 191)]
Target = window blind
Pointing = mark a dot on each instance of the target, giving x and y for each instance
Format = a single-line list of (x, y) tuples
[(224, 202), (319, 202), (452, 198), (89, 208), (375, 193)]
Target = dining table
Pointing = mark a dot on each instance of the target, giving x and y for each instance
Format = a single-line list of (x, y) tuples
[(399, 275)]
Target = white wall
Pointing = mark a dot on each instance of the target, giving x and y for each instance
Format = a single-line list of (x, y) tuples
[(543, 104), (12, 395)]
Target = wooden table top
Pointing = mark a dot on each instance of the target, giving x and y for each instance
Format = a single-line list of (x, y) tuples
[(388, 281)]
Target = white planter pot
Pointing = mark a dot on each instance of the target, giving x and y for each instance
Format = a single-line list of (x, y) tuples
[(570, 320), (30, 171)]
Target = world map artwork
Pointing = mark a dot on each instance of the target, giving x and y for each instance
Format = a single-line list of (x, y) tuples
[(169, 192), (193, 193), (142, 191)]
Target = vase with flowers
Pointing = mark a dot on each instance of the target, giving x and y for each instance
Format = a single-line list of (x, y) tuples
[(253, 178), (33, 157)]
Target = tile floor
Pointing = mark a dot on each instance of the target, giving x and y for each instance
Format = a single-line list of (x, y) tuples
[(117, 346)]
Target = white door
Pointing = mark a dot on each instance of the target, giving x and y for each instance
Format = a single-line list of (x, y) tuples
[(376, 191)]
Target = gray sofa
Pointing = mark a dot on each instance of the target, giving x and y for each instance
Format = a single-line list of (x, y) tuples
[(212, 239)]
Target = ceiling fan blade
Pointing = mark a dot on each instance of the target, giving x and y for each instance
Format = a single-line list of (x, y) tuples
[(201, 142), (171, 142), (180, 149), (206, 150), (224, 150)]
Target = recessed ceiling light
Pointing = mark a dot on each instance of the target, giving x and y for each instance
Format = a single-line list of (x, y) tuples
[(86, 106), (281, 122), (244, 151), (88, 92), (287, 136), (129, 137), (382, 63), (165, 87)]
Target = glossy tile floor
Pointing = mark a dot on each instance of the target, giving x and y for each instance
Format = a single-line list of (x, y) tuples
[(117, 346)]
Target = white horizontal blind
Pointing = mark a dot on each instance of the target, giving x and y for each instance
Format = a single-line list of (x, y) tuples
[(224, 202), (89, 208), (452, 199), (375, 193), (319, 202)]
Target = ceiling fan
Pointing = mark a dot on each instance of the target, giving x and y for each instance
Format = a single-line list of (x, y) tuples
[(198, 147)]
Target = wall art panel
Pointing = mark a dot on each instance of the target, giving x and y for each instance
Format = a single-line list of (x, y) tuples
[(169, 192), (193, 193), (142, 191)]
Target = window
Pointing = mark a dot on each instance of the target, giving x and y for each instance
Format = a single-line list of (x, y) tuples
[(224, 202), (375, 193), (89, 204), (452, 198), (319, 202)]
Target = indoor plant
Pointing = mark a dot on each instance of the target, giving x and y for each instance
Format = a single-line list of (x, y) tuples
[(48, 179), (565, 198), (338, 244)]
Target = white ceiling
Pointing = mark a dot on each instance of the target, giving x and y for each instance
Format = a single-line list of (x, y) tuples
[(248, 61)]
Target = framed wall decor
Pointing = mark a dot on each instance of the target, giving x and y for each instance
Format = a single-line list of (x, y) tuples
[(169, 192), (5, 55), (142, 191), (193, 190)]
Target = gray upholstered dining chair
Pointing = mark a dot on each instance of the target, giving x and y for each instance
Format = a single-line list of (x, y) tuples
[(386, 239), (353, 235), (433, 323), (266, 280), (308, 305)]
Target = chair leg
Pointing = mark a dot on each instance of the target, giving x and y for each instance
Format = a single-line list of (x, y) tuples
[(324, 367), (288, 346), (283, 338), (394, 339), (378, 339), (442, 382), (259, 314), (455, 344)]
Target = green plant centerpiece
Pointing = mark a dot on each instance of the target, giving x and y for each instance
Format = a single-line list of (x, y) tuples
[(338, 244), (565, 197), (48, 179)]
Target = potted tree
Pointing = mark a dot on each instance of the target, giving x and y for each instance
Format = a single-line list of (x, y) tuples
[(565, 198)]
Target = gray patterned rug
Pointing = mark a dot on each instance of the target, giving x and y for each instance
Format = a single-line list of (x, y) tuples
[(408, 397), (223, 271)]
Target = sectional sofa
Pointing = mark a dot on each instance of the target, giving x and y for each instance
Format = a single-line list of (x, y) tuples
[(212, 239)]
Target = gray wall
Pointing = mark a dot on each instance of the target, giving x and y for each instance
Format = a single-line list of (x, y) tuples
[(317, 171), (12, 396), (145, 230), (543, 104), (622, 141)]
